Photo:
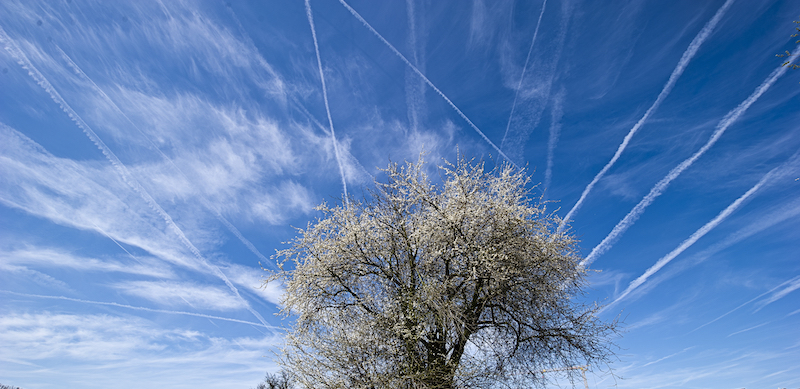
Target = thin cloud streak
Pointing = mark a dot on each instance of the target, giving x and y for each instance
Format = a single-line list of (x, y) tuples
[(687, 56), (748, 329), (522, 77), (427, 81), (662, 185), (121, 169), (325, 97), (141, 308), (668, 356), (696, 236)]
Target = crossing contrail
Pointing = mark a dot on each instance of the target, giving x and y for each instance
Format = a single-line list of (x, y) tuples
[(218, 215), (141, 308), (702, 231), (673, 78), (427, 81), (793, 280), (264, 64), (662, 185), (522, 77), (777, 215), (121, 169), (325, 97)]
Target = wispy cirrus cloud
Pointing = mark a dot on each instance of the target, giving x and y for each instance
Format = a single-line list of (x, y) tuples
[(82, 195), (137, 308), (556, 114), (58, 258), (177, 294), (125, 349), (86, 197)]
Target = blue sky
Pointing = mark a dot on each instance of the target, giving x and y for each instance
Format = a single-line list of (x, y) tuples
[(153, 152)]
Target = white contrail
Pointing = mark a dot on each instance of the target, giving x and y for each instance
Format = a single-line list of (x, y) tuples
[(673, 78), (522, 77), (794, 285), (325, 98), (121, 169), (793, 280), (427, 81), (219, 216), (695, 236), (662, 185), (141, 308), (557, 111), (235, 231)]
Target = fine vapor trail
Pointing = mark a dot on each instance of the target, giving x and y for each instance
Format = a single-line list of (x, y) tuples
[(121, 169), (427, 81), (140, 308), (325, 97), (264, 64), (690, 52), (662, 185), (791, 281), (522, 77), (793, 285), (219, 216), (695, 236), (767, 220)]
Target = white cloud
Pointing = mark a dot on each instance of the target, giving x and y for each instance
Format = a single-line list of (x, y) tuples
[(55, 258), (176, 294), (85, 195), (91, 337), (102, 351), (283, 202), (36, 276)]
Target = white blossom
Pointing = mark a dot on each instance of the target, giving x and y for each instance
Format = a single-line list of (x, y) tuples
[(418, 286)]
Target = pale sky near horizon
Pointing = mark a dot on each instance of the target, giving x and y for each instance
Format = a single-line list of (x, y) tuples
[(155, 154)]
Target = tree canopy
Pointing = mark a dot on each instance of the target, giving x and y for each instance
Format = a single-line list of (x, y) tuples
[(467, 284)]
